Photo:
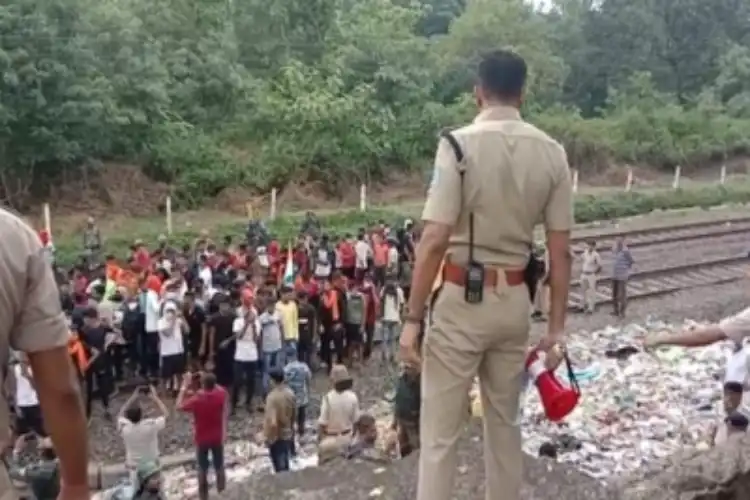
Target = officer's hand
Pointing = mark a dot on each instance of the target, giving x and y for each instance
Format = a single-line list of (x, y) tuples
[(552, 345), (408, 349)]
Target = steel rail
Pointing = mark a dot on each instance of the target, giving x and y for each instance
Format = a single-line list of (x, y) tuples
[(667, 234), (669, 279)]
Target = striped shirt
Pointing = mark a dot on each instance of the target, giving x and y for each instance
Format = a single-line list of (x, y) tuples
[(623, 261)]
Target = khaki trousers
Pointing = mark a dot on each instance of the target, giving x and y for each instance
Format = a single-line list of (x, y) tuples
[(588, 290), (463, 341)]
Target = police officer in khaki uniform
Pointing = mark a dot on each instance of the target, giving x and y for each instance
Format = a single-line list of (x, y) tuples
[(498, 178), (31, 321)]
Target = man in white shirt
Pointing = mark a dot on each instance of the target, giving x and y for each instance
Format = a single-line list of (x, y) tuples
[(205, 273), (392, 298), (141, 435), (246, 330), (272, 342), (363, 254), (590, 268), (171, 347), (27, 402), (392, 257), (151, 307)]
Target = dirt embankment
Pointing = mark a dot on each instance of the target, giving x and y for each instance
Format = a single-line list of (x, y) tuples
[(123, 190)]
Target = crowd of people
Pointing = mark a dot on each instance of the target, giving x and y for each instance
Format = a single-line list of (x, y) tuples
[(242, 327), (230, 330)]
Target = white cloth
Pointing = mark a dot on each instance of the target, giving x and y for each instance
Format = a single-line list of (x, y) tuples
[(362, 252), (323, 264), (26, 396), (206, 277), (141, 439), (152, 312), (247, 344), (392, 306), (737, 371), (170, 337), (392, 257)]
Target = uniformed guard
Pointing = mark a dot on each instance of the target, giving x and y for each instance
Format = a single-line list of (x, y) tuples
[(493, 181), (32, 322)]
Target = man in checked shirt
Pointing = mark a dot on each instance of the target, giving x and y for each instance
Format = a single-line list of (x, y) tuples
[(623, 262)]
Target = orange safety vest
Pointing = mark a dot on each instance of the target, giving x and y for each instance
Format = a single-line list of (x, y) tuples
[(78, 353)]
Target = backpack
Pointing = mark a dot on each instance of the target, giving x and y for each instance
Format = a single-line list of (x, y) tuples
[(323, 257), (355, 308)]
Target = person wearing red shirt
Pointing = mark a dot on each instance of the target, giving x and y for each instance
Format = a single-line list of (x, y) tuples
[(210, 412), (348, 256), (309, 285), (141, 255), (300, 259)]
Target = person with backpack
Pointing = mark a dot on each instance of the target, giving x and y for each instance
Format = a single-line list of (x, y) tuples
[(323, 259), (355, 319)]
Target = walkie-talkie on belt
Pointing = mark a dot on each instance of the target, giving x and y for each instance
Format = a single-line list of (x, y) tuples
[(474, 279)]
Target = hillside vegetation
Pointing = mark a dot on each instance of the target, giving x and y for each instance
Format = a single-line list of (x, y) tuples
[(210, 94)]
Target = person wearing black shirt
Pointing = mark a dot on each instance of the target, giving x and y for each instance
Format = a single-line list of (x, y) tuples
[(131, 326), (99, 372), (195, 317), (221, 343), (308, 324)]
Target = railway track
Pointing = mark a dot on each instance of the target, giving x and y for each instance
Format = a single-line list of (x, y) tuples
[(672, 234), (669, 279)]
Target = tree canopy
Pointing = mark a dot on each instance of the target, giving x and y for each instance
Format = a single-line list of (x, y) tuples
[(208, 94)]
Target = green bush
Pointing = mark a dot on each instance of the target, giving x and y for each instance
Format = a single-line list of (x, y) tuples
[(213, 95)]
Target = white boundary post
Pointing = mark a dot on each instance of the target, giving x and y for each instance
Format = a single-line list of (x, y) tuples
[(677, 174), (723, 175), (629, 180), (272, 215), (47, 220), (169, 215), (575, 180), (363, 198)]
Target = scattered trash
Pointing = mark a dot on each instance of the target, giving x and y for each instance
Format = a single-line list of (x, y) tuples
[(637, 409)]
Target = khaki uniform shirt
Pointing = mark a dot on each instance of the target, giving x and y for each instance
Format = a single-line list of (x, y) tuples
[(280, 414), (31, 319), (516, 177), (592, 263)]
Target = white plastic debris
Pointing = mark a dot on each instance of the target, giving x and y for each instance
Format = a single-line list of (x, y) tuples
[(634, 412)]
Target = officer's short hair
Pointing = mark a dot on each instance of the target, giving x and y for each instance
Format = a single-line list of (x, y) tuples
[(502, 73)]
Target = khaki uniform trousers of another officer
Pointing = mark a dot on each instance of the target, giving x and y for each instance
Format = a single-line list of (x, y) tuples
[(515, 176)]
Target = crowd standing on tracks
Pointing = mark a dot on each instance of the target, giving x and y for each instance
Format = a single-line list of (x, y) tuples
[(230, 330)]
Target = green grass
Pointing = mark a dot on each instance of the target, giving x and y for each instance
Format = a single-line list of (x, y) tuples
[(588, 208)]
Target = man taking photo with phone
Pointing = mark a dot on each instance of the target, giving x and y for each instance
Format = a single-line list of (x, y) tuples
[(141, 435)]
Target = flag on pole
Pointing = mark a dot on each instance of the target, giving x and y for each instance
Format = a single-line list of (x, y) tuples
[(289, 270)]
